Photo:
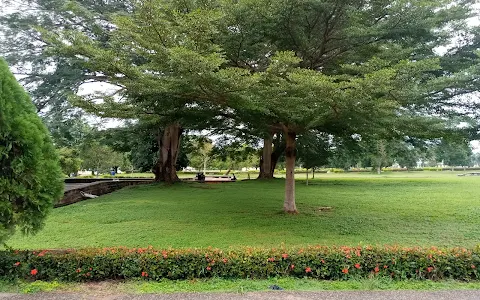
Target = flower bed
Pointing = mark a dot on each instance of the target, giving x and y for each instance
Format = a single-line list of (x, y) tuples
[(332, 263)]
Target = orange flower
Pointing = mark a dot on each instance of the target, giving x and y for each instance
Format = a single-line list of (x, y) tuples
[(385, 266), (376, 269), (357, 266), (308, 270), (323, 261), (16, 264), (78, 270), (284, 255), (144, 274), (225, 260), (429, 269), (292, 267), (34, 272), (345, 271), (209, 268), (271, 259)]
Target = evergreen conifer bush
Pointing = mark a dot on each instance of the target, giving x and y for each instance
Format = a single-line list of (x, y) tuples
[(30, 175)]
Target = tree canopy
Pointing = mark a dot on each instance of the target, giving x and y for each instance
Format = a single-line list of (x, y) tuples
[(338, 69)]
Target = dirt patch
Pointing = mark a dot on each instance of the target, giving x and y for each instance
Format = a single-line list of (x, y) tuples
[(101, 288), (318, 210), (324, 208)]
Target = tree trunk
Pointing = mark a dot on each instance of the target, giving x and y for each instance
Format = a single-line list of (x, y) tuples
[(307, 176), (229, 170), (204, 166), (275, 157), (289, 204), (313, 173), (379, 170), (278, 150), (168, 144), (266, 159)]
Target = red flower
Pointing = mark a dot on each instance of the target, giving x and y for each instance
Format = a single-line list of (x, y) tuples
[(78, 270), (376, 269), (18, 263), (144, 274), (429, 269), (385, 266), (323, 261), (357, 266), (292, 267), (308, 270), (271, 259), (473, 266), (358, 253), (209, 268), (225, 260), (284, 255), (34, 272), (345, 271)]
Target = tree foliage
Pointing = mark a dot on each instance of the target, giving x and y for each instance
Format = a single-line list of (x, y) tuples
[(30, 176), (285, 68), (69, 160)]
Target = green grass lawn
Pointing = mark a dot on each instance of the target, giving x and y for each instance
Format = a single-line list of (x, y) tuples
[(422, 208), (230, 285)]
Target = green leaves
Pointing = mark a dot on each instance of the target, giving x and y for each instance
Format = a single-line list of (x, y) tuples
[(31, 180), (319, 262)]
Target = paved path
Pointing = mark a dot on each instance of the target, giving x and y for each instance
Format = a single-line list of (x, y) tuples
[(72, 186), (273, 295)]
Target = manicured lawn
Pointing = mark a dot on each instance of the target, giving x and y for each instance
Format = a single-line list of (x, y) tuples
[(424, 209)]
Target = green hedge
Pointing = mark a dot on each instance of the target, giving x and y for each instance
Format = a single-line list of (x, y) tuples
[(332, 263)]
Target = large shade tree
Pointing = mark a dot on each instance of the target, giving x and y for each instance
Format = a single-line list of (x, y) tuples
[(350, 67), (30, 176), (173, 79), (338, 67)]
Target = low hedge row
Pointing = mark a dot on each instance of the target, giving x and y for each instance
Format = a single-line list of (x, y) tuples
[(333, 263)]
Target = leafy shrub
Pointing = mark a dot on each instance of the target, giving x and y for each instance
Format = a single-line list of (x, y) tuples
[(30, 176), (402, 169), (332, 263), (360, 170)]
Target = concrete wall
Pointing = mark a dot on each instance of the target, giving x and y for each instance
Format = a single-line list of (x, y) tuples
[(90, 180), (96, 188)]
